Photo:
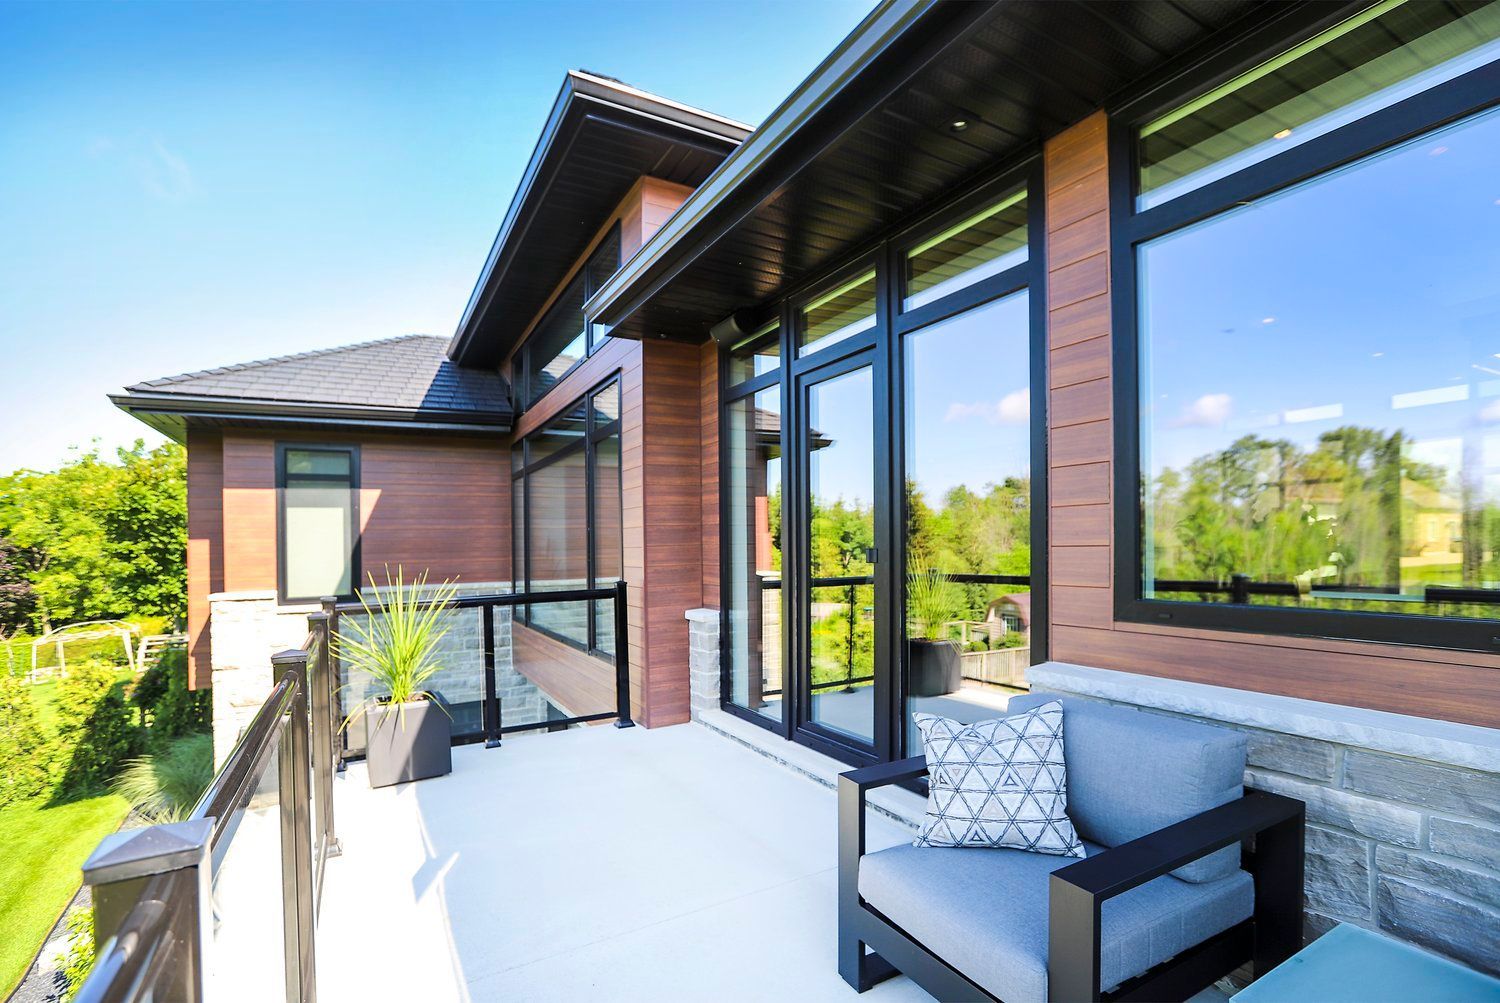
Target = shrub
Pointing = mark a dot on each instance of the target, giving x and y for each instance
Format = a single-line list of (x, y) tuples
[(164, 786), (94, 724), (25, 749), (178, 710), (79, 959)]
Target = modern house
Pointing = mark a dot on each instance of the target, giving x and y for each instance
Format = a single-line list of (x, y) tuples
[(1166, 334)]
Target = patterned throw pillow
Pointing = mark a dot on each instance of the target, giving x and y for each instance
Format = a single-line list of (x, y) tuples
[(999, 783)]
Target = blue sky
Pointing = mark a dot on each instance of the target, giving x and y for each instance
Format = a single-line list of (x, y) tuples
[(188, 185)]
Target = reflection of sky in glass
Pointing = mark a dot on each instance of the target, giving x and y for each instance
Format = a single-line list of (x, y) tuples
[(1369, 297), (968, 402), (839, 412)]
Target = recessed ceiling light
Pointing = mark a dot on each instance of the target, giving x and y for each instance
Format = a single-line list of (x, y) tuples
[(959, 124), (1283, 134)]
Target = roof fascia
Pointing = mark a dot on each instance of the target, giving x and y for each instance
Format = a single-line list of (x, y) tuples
[(582, 93), (654, 264)]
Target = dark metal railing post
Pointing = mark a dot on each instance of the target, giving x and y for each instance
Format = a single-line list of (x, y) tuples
[(168, 866), (335, 693), (491, 713), (622, 660), (323, 735), (1239, 588), (294, 761)]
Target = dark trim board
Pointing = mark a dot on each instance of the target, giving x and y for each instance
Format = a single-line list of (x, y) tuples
[(1464, 96)]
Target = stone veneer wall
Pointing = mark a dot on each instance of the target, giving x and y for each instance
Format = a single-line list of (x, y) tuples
[(1403, 832), (703, 661)]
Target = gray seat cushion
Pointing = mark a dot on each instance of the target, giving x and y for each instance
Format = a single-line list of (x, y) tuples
[(1131, 773), (984, 912)]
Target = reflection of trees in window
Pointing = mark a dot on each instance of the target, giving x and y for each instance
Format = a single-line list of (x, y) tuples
[(973, 532), (1353, 513)]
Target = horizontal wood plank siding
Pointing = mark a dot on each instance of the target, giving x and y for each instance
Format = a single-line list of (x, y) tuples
[(205, 546)]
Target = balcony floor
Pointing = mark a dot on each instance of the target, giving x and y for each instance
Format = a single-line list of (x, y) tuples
[(669, 864)]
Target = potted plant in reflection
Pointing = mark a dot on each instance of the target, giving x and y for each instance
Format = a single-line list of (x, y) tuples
[(408, 733), (932, 601)]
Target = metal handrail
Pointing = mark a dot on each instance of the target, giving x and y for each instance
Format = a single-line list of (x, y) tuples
[(152, 887), (491, 730)]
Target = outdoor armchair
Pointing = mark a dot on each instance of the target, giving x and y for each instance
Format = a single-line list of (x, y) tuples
[(1188, 876)]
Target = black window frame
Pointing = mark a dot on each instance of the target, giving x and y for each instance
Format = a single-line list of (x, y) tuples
[(884, 344), (594, 335), (1452, 101), (594, 432), (356, 569)]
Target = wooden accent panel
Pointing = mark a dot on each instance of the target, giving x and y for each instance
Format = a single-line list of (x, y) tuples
[(442, 507), (574, 679), (205, 546), (672, 521), (1451, 685), (426, 503), (708, 383), (249, 513), (658, 201)]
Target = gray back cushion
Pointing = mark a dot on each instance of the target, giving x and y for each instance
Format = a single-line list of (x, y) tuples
[(1131, 773)]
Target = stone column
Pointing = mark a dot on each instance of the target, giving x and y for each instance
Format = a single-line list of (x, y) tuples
[(703, 660)]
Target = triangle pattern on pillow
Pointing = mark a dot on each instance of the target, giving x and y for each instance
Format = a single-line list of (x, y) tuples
[(999, 783)]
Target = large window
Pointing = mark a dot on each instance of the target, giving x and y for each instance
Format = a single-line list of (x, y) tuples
[(567, 510), (318, 539), (564, 337), (1319, 362), (888, 568)]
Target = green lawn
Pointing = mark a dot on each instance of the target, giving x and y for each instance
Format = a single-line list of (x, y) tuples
[(39, 871)]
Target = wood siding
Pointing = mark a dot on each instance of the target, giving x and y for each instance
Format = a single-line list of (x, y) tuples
[(205, 547), (426, 504), (1455, 686)]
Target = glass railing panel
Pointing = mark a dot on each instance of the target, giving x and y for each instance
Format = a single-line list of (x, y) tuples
[(248, 959), (544, 675)]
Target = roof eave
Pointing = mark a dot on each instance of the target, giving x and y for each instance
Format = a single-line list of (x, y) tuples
[(655, 263), (578, 89), (189, 406)]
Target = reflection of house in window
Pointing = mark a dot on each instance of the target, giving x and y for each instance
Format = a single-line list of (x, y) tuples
[(1009, 614), (1437, 526)]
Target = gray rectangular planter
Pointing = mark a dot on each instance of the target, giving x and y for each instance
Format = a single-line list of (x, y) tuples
[(407, 742)]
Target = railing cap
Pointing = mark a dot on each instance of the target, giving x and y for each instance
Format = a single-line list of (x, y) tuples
[(291, 656), (156, 849)]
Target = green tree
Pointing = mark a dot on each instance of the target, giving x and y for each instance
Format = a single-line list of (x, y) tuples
[(24, 753), (100, 537)]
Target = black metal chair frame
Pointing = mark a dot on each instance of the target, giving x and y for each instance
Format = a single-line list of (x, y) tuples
[(1268, 827)]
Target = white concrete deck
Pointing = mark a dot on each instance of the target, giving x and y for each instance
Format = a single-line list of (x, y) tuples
[(670, 864)]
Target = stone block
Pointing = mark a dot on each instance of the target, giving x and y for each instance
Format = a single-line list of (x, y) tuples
[(1444, 788), (1445, 875), (1340, 809), (1440, 921), (1302, 757), (1465, 840), (1338, 874)]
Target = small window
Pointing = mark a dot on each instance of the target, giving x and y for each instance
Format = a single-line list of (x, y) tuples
[(840, 313), (319, 541), (1370, 61), (559, 342), (602, 264), (757, 355), (981, 245)]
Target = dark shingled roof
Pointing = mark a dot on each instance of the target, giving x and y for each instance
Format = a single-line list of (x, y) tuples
[(408, 378)]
